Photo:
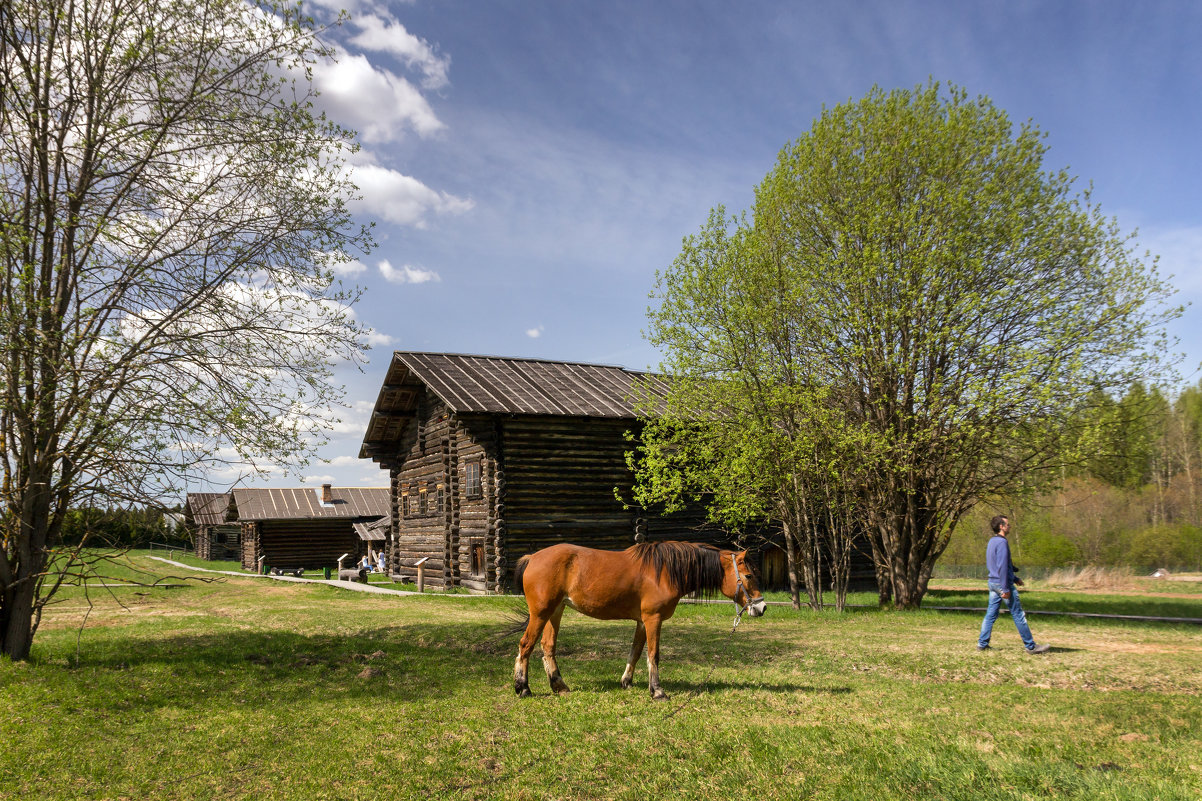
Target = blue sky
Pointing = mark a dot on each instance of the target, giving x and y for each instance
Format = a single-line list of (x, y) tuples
[(530, 165)]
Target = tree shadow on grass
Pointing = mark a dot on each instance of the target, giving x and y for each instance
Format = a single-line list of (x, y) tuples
[(404, 663), (774, 687)]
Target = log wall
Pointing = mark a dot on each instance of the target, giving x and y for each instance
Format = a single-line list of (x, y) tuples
[(218, 542), (560, 475), (309, 544), (250, 549), (424, 459), (475, 515)]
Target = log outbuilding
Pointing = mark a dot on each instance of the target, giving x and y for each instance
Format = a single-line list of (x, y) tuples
[(212, 536), (492, 458), (304, 527)]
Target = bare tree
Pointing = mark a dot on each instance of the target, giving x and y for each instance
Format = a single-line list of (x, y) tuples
[(171, 206)]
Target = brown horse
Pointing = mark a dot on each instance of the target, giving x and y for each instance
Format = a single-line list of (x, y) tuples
[(642, 583)]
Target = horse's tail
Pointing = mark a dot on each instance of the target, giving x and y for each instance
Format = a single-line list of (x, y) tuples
[(516, 621), (518, 572), (518, 618)]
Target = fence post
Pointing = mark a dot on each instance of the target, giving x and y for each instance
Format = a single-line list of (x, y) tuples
[(421, 573)]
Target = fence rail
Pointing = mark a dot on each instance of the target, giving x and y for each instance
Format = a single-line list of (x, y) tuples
[(1038, 573)]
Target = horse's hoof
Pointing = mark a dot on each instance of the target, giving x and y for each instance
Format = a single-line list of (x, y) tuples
[(524, 692), (561, 689), (659, 695), (626, 684)]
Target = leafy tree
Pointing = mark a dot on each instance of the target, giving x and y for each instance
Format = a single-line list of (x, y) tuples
[(170, 206), (1186, 442), (745, 429), (1124, 438), (949, 302)]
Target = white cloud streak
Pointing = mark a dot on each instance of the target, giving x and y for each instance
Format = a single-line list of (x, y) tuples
[(375, 338), (406, 274), (399, 198), (348, 269), (380, 105), (387, 35)]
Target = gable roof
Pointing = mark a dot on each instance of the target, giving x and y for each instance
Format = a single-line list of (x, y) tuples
[(300, 503), (498, 385), (206, 508), (525, 386)]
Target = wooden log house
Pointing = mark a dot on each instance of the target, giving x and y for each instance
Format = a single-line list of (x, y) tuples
[(492, 458), (304, 527), (212, 536)]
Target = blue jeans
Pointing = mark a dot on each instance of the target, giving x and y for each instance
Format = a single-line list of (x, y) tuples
[(1016, 613)]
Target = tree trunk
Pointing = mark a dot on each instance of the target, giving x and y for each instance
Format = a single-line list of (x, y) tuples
[(791, 563), (27, 561), (17, 634)]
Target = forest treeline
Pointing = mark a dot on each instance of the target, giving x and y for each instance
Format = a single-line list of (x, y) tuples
[(1132, 497), (117, 527)]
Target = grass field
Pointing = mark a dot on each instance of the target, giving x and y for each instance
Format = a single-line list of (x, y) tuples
[(252, 688)]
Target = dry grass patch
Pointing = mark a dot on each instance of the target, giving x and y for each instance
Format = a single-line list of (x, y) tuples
[(1092, 578)]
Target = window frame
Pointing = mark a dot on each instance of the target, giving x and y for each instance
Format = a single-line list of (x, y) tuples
[(473, 485)]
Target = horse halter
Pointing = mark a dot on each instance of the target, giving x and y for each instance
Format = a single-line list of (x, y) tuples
[(739, 586)]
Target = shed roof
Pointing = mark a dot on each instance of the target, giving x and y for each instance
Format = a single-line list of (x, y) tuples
[(299, 503), (499, 385), (206, 508), (373, 530)]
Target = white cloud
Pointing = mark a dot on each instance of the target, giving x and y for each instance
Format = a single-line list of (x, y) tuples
[(406, 274), (534, 333), (341, 461), (354, 420), (348, 268), (317, 479), (386, 35), (374, 101), (375, 338), (400, 198)]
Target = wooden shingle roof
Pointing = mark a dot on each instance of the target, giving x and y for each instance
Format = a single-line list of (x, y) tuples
[(525, 386), (206, 508), (373, 530), (470, 384), (305, 502)]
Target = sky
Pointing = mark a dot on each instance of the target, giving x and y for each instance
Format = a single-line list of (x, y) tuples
[(529, 166)]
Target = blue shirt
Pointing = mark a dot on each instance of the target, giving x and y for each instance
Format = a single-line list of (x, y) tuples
[(997, 560)]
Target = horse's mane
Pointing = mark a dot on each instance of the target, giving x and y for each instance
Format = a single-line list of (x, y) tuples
[(689, 566)]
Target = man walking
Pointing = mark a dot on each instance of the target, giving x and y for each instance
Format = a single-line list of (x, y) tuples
[(1002, 583)]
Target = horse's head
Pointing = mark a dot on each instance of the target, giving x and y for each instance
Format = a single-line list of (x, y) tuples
[(740, 583)]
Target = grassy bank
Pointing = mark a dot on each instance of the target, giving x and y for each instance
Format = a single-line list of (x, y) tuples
[(252, 688)]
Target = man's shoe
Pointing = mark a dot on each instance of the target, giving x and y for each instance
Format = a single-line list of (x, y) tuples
[(1042, 648), (984, 648)]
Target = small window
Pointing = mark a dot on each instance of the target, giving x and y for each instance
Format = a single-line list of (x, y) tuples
[(471, 480), (439, 503), (423, 500), (405, 501)]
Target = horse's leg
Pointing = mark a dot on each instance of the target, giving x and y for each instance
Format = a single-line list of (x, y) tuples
[(550, 633), (636, 651), (652, 623), (534, 628)]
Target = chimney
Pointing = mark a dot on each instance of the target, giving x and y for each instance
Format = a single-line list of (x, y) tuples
[(327, 495)]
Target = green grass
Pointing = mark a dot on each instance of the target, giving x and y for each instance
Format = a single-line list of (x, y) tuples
[(252, 688)]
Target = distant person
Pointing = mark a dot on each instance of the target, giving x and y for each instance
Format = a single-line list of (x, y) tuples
[(380, 562), (1002, 583), (365, 564)]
